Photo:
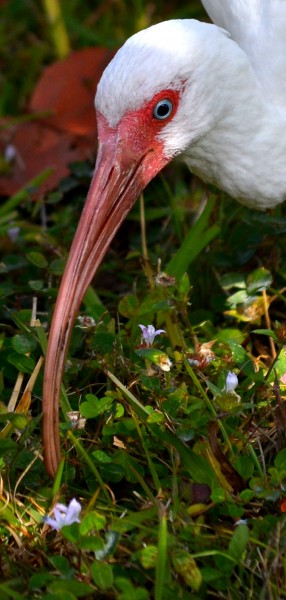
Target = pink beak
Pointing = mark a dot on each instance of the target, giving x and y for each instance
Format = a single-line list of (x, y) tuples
[(122, 171)]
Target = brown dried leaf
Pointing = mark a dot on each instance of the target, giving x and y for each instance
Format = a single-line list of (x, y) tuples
[(63, 129), (67, 88)]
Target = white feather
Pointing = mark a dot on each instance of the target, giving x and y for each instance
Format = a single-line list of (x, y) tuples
[(259, 27), (227, 127)]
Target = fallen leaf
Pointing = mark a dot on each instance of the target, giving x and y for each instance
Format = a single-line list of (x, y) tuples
[(67, 88), (60, 127)]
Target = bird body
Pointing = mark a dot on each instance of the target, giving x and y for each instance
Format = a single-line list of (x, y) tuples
[(259, 28), (178, 88), (226, 127)]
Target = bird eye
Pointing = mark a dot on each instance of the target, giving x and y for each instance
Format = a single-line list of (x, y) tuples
[(163, 109)]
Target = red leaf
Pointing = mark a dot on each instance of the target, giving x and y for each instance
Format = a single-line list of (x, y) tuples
[(67, 132), (67, 89)]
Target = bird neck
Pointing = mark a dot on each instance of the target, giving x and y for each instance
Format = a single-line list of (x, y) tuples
[(244, 150)]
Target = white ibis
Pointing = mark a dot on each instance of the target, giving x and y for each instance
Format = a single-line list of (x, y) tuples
[(214, 96)]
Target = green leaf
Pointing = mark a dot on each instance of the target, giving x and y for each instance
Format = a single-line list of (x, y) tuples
[(17, 419), (186, 566), (184, 287), (258, 280), (62, 564), (268, 332), (158, 357), (24, 343), (57, 266), (7, 514), (148, 557), (230, 280), (93, 407), (23, 363), (103, 342), (93, 521), (280, 459), (199, 236), (230, 333), (7, 592), (280, 366), (238, 542), (241, 358), (101, 456), (245, 466), (71, 532), (132, 520), (78, 588), (128, 306), (198, 467), (37, 259), (238, 298), (14, 262), (36, 285), (218, 495), (156, 417), (90, 543), (102, 575)]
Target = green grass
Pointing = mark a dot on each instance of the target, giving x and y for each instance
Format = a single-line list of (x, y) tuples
[(164, 463)]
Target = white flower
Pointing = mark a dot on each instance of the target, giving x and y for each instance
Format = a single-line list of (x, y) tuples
[(241, 522), (85, 322), (64, 515), (149, 333), (10, 153), (164, 363), (231, 382)]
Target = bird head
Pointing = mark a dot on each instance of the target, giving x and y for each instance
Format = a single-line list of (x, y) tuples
[(152, 102)]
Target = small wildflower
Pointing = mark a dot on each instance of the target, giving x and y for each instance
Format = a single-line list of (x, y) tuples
[(164, 363), (77, 422), (13, 233), (283, 378), (149, 333), (64, 515), (164, 280), (231, 382), (86, 322), (10, 153), (202, 356), (228, 399)]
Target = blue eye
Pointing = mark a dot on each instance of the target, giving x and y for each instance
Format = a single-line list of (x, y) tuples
[(163, 109)]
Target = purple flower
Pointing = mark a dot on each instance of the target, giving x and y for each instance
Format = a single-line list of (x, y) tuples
[(64, 515), (149, 333)]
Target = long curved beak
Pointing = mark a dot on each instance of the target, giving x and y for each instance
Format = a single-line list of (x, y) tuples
[(117, 182)]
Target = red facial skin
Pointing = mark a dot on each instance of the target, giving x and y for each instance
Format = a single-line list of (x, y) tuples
[(129, 156)]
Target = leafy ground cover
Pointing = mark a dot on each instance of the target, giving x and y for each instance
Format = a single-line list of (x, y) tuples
[(178, 466)]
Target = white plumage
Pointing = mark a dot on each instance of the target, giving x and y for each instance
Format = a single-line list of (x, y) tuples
[(258, 26), (229, 126)]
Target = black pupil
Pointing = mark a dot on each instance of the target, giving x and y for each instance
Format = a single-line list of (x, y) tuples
[(163, 109)]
